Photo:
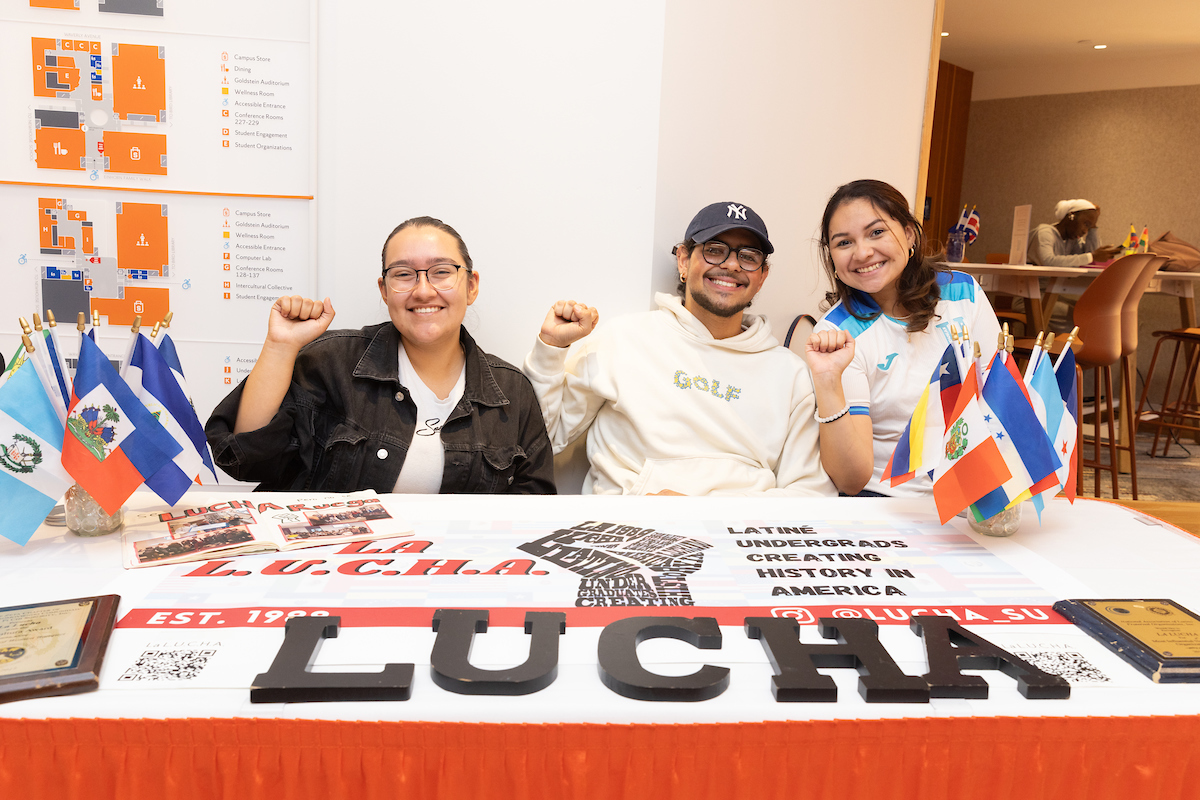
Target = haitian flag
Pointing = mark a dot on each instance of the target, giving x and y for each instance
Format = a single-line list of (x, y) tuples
[(112, 442)]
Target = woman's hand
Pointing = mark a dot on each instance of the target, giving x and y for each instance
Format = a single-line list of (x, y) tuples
[(568, 322), (829, 353), (295, 321)]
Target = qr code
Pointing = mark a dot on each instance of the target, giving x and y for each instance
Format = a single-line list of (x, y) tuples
[(1069, 664), (168, 665)]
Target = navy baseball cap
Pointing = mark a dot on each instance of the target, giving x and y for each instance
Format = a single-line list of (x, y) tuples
[(720, 217)]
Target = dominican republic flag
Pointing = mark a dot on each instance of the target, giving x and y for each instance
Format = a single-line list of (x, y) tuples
[(1027, 450), (972, 227), (155, 385), (32, 478), (971, 464), (920, 445), (112, 443)]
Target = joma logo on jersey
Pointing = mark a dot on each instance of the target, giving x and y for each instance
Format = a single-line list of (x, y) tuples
[(712, 386)]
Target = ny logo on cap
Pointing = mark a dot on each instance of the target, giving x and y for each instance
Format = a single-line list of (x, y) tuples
[(735, 211)]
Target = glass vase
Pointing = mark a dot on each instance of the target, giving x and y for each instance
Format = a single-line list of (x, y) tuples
[(85, 517), (1003, 524)]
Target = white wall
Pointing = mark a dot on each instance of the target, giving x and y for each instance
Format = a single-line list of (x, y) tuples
[(570, 144)]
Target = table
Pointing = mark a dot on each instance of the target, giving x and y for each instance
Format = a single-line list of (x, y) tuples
[(1041, 286), (1129, 738)]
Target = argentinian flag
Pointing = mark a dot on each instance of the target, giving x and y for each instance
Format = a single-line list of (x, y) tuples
[(32, 478)]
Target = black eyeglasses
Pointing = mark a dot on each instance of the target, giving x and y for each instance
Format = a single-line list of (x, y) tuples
[(404, 279), (716, 252)]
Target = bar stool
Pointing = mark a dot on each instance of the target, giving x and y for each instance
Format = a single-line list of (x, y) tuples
[(1174, 415), (1129, 344), (1100, 344)]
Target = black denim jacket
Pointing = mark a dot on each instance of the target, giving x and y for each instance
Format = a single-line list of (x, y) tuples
[(346, 424)]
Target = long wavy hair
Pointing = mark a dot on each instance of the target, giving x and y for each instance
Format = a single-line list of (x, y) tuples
[(917, 289)]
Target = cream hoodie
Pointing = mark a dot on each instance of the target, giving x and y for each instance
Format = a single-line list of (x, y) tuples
[(667, 406)]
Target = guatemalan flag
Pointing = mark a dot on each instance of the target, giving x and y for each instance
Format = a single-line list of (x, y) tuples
[(920, 445), (153, 382), (112, 443), (1027, 451), (32, 478), (971, 464)]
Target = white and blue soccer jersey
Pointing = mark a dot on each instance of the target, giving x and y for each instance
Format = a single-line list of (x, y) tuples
[(891, 367)]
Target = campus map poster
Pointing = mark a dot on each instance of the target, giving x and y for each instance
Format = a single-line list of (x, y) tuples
[(151, 162)]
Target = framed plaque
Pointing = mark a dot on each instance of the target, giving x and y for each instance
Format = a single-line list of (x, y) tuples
[(1159, 637), (54, 648)]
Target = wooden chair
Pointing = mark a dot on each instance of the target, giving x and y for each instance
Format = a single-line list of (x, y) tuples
[(1102, 316), (1181, 413), (1129, 344)]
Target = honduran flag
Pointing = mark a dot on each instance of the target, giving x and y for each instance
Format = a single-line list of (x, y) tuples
[(971, 464), (153, 382), (32, 478), (920, 445), (112, 442), (1020, 437)]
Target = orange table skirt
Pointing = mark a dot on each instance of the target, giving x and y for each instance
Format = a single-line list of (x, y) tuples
[(931, 759)]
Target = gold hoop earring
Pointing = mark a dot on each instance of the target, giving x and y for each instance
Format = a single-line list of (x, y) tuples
[(912, 251)]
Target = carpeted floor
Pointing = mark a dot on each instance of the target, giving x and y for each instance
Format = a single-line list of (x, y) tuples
[(1174, 478)]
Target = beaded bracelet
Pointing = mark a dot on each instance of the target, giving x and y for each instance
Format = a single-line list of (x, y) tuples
[(836, 416)]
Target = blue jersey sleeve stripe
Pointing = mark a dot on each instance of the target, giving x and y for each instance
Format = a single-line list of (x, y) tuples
[(860, 411), (956, 286)]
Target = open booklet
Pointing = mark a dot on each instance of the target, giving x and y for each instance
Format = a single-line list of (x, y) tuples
[(255, 523)]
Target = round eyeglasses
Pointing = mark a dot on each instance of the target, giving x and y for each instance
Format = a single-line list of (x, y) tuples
[(440, 276), (716, 252)]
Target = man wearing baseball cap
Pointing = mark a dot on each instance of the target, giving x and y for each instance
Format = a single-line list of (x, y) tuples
[(1073, 240), (696, 397)]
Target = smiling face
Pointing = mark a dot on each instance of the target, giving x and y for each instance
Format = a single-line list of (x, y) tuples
[(720, 292), (869, 250), (427, 317)]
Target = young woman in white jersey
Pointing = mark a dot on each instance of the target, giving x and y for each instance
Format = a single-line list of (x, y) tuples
[(873, 352), (409, 405)]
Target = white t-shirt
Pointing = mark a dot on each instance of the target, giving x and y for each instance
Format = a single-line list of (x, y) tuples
[(891, 367), (426, 458)]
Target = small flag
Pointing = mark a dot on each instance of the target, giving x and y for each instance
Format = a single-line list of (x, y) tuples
[(154, 384), (972, 227), (1144, 240), (112, 442), (32, 478), (920, 445), (971, 464), (1064, 373), (57, 362), (1027, 451), (1058, 422)]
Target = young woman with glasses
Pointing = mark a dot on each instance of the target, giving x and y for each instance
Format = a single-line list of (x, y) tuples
[(873, 352), (409, 405)]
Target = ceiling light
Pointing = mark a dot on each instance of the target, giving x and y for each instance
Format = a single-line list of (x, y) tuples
[(945, 33), (1099, 46)]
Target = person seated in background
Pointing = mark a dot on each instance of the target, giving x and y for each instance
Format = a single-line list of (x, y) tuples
[(409, 405), (696, 397), (874, 350), (1072, 241)]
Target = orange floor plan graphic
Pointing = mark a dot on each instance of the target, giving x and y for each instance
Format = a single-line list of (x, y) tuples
[(98, 119), (139, 83), (142, 237), (109, 262), (69, 5)]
